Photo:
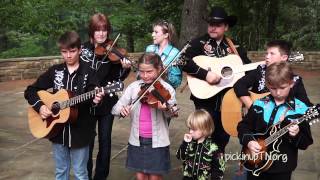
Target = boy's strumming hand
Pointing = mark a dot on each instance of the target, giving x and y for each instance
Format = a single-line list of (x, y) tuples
[(45, 112), (247, 101), (187, 137), (293, 130)]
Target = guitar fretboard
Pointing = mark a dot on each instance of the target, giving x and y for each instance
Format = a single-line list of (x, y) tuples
[(79, 99), (248, 67), (110, 88), (280, 133), (312, 113)]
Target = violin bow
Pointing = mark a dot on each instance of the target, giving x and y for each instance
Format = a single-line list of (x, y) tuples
[(114, 42), (109, 50), (164, 70), (117, 53)]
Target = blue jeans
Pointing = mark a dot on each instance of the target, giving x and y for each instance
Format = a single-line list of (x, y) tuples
[(103, 158), (64, 156)]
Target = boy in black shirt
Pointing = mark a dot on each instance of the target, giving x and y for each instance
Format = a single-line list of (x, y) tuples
[(279, 108), (71, 144), (277, 50)]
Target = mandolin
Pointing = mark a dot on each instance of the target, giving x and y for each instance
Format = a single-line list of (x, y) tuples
[(270, 142)]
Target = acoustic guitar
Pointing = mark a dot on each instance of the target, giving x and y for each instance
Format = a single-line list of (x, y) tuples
[(232, 110), (62, 105), (230, 68), (270, 142)]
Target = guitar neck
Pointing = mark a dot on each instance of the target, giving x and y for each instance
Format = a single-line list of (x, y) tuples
[(81, 98), (281, 132), (251, 66)]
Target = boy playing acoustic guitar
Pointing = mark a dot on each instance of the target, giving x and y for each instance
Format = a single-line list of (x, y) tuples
[(279, 108), (71, 143), (277, 51)]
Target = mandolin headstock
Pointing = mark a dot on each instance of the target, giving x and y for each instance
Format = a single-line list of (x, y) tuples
[(312, 114)]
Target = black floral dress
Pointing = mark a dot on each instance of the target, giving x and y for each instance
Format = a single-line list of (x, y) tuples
[(201, 160)]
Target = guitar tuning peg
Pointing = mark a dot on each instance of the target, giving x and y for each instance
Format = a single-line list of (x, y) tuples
[(109, 83), (111, 94)]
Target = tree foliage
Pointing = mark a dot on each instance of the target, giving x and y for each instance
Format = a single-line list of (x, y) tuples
[(31, 27), (260, 21)]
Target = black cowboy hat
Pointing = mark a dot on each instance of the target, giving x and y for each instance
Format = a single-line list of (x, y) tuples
[(219, 15)]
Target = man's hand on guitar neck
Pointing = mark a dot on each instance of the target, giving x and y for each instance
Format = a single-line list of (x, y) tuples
[(45, 112), (213, 78)]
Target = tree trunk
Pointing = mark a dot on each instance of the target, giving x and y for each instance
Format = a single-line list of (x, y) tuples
[(192, 24), (272, 17), (130, 41)]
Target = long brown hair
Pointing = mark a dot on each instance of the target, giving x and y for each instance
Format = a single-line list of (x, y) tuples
[(97, 22)]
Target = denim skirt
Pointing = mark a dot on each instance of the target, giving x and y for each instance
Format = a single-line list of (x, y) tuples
[(148, 160)]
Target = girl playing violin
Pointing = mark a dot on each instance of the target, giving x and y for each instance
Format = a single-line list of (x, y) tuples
[(148, 147), (107, 71)]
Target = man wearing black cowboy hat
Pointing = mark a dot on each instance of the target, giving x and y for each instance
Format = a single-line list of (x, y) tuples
[(213, 44)]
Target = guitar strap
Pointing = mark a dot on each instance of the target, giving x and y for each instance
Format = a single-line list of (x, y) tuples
[(231, 45)]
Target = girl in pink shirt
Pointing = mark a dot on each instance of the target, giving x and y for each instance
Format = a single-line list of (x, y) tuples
[(148, 147)]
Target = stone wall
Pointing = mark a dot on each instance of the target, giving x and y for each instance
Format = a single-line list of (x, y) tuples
[(32, 67)]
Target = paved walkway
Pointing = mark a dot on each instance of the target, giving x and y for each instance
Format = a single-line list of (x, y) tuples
[(24, 157)]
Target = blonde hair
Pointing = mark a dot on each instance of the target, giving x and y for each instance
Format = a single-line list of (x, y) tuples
[(202, 120), (166, 28), (279, 73)]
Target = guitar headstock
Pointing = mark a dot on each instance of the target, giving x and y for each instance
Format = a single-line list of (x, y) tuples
[(312, 114), (182, 60), (113, 87), (296, 57)]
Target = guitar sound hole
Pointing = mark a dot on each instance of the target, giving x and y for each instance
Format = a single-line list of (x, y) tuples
[(226, 72), (55, 108)]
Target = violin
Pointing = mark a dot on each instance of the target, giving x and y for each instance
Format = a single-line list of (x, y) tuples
[(114, 54), (159, 95), (153, 98)]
